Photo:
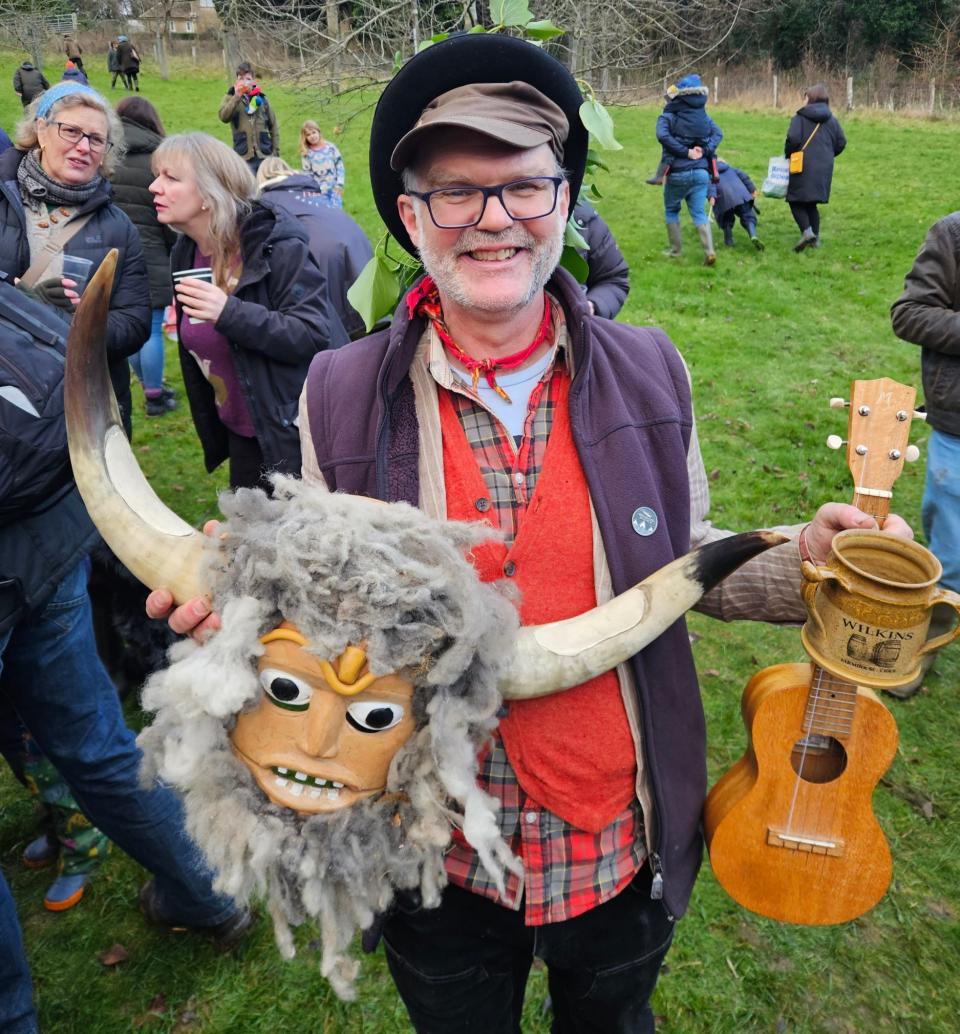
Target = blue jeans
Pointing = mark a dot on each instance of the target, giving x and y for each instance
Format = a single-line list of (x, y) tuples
[(147, 364), (941, 505), (462, 968), (50, 673), (690, 186)]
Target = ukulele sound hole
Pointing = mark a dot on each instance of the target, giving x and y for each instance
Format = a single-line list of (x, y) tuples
[(818, 759)]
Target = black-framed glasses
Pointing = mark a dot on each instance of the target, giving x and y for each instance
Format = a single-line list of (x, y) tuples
[(457, 207), (74, 134)]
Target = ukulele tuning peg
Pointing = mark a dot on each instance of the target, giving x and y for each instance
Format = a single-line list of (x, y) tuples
[(834, 441), (912, 454), (838, 403)]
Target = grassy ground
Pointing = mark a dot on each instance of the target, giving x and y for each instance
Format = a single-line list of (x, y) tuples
[(769, 338)]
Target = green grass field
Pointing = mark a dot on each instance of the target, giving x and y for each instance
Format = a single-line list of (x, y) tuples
[(769, 339)]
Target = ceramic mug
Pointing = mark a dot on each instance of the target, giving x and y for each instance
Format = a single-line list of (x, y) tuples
[(869, 608)]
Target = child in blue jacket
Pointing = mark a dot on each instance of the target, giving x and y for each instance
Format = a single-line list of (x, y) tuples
[(732, 197)]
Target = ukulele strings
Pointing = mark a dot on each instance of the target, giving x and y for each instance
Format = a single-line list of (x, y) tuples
[(810, 717)]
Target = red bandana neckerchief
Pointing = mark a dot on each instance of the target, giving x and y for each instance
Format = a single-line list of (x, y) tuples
[(424, 300)]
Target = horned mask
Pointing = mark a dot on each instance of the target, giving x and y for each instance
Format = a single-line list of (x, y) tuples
[(325, 740)]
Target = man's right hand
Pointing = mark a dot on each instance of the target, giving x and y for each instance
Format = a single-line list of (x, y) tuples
[(240, 87), (194, 618)]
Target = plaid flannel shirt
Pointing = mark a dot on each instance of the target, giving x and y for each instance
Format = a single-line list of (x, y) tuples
[(566, 871)]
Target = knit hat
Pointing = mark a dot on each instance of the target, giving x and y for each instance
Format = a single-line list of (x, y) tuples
[(689, 82)]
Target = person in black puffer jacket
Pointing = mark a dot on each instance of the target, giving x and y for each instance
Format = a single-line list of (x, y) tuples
[(816, 132), (608, 279), (337, 243), (131, 181), (41, 190), (249, 329)]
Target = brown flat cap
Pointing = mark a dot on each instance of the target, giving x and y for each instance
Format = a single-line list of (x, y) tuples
[(515, 113)]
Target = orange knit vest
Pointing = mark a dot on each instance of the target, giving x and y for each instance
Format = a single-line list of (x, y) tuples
[(572, 752)]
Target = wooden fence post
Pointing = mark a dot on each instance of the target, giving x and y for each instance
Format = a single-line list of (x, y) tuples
[(716, 89), (776, 91), (933, 95), (850, 93)]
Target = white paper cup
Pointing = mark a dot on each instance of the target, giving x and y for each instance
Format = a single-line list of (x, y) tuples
[(78, 270), (200, 273)]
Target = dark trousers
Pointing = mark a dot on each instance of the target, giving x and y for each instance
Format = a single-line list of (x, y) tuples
[(462, 968), (246, 462), (806, 216), (747, 215)]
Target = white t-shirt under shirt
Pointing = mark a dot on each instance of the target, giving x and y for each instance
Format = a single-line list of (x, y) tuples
[(518, 384)]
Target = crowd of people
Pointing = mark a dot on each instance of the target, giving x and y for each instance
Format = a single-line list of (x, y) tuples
[(502, 390)]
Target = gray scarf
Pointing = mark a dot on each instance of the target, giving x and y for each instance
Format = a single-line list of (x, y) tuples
[(37, 189)]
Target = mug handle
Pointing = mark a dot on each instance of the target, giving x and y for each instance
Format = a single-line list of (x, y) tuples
[(951, 599), (812, 577)]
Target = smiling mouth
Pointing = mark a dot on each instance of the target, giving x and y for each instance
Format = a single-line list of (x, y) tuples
[(300, 783), (501, 255)]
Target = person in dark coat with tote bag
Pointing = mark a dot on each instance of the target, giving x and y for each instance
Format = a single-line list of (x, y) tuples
[(815, 132)]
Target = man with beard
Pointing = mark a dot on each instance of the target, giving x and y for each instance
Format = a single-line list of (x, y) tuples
[(496, 396)]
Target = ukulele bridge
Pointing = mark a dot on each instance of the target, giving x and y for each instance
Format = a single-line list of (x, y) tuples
[(810, 845)]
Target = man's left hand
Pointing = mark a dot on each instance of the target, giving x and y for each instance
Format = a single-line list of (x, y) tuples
[(834, 517)]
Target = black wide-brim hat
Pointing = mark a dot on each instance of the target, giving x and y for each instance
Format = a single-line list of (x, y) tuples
[(458, 61)]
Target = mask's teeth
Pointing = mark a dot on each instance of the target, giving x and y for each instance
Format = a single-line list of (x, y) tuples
[(301, 777), (317, 781), (296, 789), (281, 782), (314, 794), (281, 771), (333, 795)]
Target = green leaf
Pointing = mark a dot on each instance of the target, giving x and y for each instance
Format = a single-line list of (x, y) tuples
[(599, 124), (593, 193), (477, 28), (439, 37), (594, 161), (573, 238), (397, 61), (573, 262), (424, 44), (374, 293), (542, 30), (510, 12)]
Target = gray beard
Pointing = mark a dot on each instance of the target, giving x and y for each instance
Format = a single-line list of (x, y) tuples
[(442, 268)]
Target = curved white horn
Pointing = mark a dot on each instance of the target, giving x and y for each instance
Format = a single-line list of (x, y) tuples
[(150, 539), (562, 654)]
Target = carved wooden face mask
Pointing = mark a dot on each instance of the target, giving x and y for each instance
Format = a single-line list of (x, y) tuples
[(323, 733)]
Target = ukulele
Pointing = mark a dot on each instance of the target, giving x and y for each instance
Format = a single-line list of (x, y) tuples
[(790, 827)]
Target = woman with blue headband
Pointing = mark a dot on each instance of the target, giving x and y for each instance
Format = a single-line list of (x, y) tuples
[(55, 201)]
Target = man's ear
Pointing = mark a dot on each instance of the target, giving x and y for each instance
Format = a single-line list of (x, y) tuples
[(408, 216), (563, 200)]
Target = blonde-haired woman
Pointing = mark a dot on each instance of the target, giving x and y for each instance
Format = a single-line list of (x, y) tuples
[(323, 161), (67, 144), (248, 333)]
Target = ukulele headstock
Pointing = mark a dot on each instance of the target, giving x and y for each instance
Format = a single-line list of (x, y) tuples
[(878, 432)]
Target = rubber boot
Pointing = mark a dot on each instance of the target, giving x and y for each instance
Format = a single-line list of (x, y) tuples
[(807, 238), (728, 236), (750, 225), (706, 239), (676, 240), (656, 180)]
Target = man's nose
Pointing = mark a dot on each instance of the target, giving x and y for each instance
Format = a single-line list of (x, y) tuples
[(320, 732), (495, 217)]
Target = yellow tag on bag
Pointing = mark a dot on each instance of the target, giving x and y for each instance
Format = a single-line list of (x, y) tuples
[(796, 162)]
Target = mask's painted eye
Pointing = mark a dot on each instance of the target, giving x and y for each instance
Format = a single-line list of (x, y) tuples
[(285, 690), (374, 715)]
